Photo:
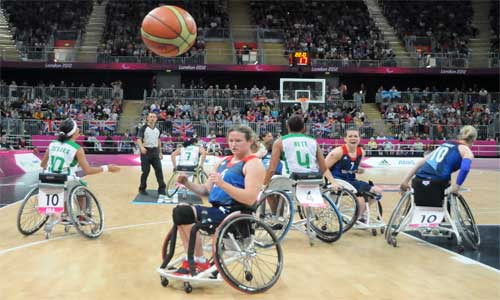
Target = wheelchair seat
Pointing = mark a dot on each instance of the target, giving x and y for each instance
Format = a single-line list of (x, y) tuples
[(53, 178), (186, 168), (307, 178)]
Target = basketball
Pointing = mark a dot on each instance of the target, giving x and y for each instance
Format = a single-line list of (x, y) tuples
[(168, 31)]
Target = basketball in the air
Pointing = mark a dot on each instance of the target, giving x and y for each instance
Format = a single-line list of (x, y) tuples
[(168, 31)]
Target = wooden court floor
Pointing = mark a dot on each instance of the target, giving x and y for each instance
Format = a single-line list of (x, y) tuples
[(121, 263)]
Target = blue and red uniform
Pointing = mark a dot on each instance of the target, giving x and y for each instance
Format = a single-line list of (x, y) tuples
[(222, 203), (347, 167)]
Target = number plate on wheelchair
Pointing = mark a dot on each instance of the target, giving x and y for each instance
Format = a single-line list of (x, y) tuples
[(427, 217), (50, 200), (309, 195)]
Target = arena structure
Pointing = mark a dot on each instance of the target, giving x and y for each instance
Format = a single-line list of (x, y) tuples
[(407, 74)]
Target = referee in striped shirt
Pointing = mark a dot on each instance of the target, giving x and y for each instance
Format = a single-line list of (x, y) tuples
[(149, 142)]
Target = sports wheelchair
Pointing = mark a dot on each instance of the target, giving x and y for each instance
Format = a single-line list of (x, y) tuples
[(244, 252), (346, 201), (318, 215), (55, 195), (454, 218), (196, 171)]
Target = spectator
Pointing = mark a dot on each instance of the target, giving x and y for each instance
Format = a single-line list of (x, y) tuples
[(214, 148)]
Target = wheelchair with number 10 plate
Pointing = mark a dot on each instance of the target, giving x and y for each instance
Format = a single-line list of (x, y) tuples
[(453, 219), (55, 195)]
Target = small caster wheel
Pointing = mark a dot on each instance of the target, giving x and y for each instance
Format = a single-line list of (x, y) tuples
[(66, 228), (47, 235), (382, 230), (394, 243), (374, 232), (460, 249), (450, 238), (187, 287), (248, 276), (164, 281)]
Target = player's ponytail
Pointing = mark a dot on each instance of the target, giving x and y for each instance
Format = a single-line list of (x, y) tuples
[(468, 134), (67, 128)]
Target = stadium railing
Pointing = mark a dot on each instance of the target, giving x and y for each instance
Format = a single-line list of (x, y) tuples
[(60, 93), (437, 97)]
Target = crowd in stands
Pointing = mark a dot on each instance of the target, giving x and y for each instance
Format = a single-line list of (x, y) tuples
[(444, 112), (448, 23), (20, 105), (122, 35), (33, 22), (341, 30)]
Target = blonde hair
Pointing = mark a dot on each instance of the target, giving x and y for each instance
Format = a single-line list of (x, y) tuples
[(468, 134)]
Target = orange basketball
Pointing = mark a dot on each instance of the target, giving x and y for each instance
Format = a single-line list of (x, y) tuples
[(168, 30)]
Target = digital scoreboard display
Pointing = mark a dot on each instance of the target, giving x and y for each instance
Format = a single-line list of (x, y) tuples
[(299, 58)]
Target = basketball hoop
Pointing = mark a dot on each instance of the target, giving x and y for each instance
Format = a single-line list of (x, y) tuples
[(304, 103)]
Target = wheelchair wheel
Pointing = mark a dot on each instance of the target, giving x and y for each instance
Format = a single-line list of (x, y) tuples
[(347, 205), (240, 257), (397, 217), (29, 220), (276, 210), (86, 212), (465, 222), (172, 188), (326, 222), (202, 177)]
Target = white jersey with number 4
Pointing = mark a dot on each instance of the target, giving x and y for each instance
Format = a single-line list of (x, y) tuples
[(189, 156), (299, 153), (62, 157)]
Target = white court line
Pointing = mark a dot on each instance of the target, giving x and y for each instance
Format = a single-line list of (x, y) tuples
[(9, 184), (457, 257), (10, 204), (32, 244)]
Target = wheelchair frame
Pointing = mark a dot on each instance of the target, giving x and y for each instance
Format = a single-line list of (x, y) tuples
[(217, 272), (453, 223), (373, 223), (76, 218), (199, 175), (303, 225)]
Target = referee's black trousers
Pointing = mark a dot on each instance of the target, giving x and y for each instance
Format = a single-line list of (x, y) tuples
[(151, 158)]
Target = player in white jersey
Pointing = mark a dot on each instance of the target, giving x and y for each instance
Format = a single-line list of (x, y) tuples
[(300, 152), (64, 155), (190, 154)]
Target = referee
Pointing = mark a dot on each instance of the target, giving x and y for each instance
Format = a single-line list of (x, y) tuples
[(149, 142)]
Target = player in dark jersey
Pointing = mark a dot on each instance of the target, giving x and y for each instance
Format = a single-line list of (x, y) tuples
[(344, 162), (433, 173), (235, 185)]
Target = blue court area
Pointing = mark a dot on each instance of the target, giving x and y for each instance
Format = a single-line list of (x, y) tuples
[(489, 249), (152, 197)]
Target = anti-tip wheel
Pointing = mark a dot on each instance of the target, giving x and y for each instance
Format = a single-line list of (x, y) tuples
[(164, 281), (374, 232), (187, 287), (460, 249), (382, 230)]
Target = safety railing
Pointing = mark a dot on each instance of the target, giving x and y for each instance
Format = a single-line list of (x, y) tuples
[(436, 97), (13, 93), (344, 63)]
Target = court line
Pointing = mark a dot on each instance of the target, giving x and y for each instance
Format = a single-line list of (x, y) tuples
[(32, 244), (459, 256)]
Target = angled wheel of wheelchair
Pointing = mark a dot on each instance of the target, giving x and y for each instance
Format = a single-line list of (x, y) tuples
[(276, 209), (464, 220), (397, 217), (85, 212), (347, 205), (172, 188), (202, 176), (326, 221), (247, 254), (29, 220)]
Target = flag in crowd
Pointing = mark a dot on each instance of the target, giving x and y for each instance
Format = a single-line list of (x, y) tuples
[(182, 128)]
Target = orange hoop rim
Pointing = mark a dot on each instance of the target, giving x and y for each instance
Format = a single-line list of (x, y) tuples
[(302, 100)]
